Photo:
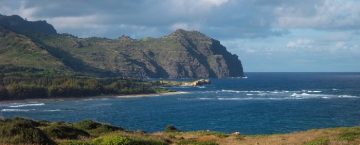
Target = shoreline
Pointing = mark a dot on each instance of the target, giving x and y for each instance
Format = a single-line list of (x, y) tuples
[(127, 96), (151, 95)]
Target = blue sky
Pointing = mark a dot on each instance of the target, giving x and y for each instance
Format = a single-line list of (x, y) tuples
[(267, 35)]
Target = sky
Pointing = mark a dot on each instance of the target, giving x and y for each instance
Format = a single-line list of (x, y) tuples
[(267, 35)]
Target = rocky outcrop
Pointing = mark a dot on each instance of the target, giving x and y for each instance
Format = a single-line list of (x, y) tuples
[(22, 26), (200, 82), (195, 83)]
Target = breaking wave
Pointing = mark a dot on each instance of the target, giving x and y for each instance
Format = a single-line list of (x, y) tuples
[(28, 110), (17, 105), (52, 110), (271, 95), (16, 110)]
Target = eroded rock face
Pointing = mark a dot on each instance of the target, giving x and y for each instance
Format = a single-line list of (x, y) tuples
[(195, 55)]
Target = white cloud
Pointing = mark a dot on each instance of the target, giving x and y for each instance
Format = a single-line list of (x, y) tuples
[(345, 46), (328, 14), (300, 43), (90, 21), (22, 10), (185, 26), (213, 2), (192, 8)]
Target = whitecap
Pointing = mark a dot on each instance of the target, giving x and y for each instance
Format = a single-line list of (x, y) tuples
[(314, 91), (54, 110), (17, 110), (26, 105), (347, 96), (234, 98), (323, 96), (231, 91), (205, 98)]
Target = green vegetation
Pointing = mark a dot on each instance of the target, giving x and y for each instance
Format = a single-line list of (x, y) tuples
[(319, 141), (171, 128), (20, 131), (87, 132), (114, 139), (61, 130), (181, 54), (191, 142), (350, 134), (95, 127), (14, 87), (215, 133), (194, 142), (24, 131)]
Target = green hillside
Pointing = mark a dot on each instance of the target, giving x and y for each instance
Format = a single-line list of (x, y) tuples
[(19, 50), (181, 54)]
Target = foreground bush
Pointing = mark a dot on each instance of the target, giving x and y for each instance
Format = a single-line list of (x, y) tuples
[(124, 140), (62, 131), (95, 127), (22, 131)]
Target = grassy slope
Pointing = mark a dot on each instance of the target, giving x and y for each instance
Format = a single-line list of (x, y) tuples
[(97, 52), (19, 50), (180, 54), (157, 57), (23, 131)]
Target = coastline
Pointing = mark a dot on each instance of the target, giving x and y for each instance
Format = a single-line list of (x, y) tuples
[(95, 97), (151, 95)]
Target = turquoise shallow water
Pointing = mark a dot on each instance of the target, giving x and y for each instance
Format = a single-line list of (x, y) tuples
[(263, 103)]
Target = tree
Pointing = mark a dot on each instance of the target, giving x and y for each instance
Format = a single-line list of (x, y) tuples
[(3, 93)]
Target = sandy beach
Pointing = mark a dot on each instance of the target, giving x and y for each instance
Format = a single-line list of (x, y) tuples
[(92, 97), (151, 95)]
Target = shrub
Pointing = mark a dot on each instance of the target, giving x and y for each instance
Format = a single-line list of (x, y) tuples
[(171, 128), (193, 142), (350, 134), (124, 140), (320, 141), (3, 93), (112, 141), (22, 131), (95, 127), (74, 142), (62, 131)]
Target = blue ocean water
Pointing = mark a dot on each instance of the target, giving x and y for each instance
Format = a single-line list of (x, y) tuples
[(261, 104)]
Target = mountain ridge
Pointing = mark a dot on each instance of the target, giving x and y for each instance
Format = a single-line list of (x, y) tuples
[(181, 54), (20, 25)]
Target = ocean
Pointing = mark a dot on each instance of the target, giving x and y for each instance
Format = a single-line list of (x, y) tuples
[(264, 103)]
